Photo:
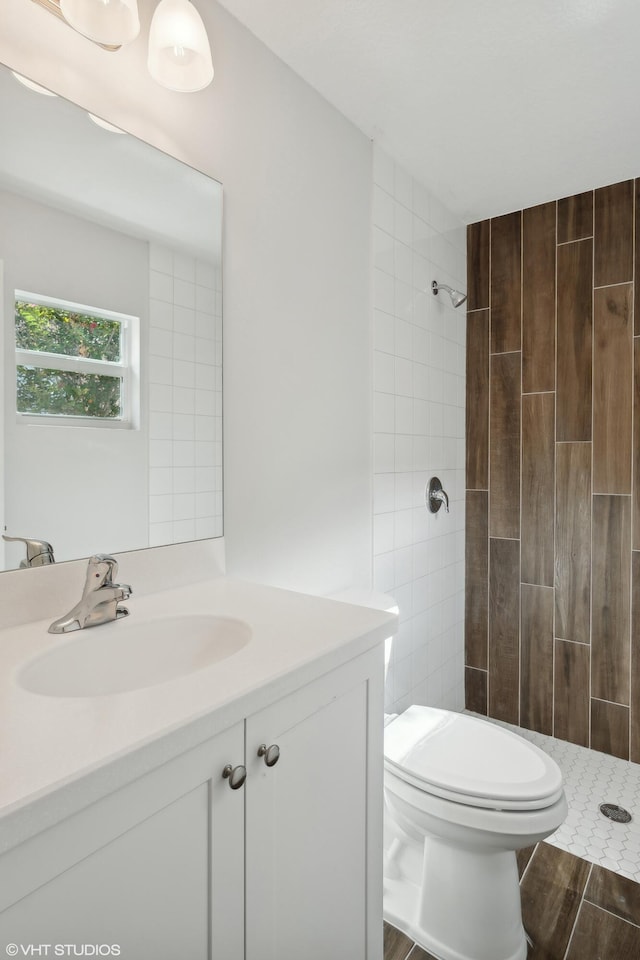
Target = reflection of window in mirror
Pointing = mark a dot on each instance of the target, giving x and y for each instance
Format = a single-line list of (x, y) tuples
[(74, 363)]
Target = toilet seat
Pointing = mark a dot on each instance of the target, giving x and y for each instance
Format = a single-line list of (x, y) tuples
[(469, 761)]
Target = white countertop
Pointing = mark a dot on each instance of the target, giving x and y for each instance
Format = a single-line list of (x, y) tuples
[(59, 753)]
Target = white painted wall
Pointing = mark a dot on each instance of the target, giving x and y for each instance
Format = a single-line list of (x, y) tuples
[(296, 178), (418, 423), (83, 489), (2, 453)]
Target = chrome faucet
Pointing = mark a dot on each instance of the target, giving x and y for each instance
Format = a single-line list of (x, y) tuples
[(39, 552), (100, 598)]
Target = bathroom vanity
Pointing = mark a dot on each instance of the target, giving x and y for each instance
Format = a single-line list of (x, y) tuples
[(125, 818)]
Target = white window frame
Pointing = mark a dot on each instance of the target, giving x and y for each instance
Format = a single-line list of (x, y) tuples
[(127, 369)]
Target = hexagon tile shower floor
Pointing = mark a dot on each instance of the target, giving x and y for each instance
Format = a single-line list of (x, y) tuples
[(592, 779)]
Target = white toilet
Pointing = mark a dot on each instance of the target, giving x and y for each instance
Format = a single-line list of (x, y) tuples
[(461, 796)]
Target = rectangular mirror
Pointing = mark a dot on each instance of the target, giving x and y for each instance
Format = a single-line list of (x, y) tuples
[(110, 272)]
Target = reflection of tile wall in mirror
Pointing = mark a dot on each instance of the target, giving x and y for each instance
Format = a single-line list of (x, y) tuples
[(113, 223), (185, 423)]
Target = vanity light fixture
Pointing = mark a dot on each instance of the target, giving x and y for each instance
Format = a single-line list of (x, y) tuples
[(104, 21), (179, 54)]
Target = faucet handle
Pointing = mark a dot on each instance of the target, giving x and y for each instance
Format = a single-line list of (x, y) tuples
[(101, 570)]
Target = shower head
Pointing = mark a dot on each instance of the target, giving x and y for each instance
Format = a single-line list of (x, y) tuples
[(457, 298)]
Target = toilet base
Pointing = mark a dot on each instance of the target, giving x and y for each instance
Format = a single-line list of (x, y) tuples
[(457, 904)]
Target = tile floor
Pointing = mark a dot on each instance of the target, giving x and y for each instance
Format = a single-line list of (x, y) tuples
[(571, 909)]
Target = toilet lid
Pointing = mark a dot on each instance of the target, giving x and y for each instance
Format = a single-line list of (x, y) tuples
[(469, 760)]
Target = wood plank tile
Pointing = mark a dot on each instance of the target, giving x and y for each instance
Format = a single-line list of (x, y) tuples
[(610, 728), (397, 945), (571, 697), (575, 217), (635, 657), (419, 954), (636, 439), (611, 608), (475, 690), (523, 857), (538, 482), (613, 234), (476, 613), (506, 300), (504, 446), (636, 308), (600, 936), (539, 298), (574, 341), (573, 541), (551, 891), (478, 265), (536, 658), (504, 629), (612, 389), (614, 893), (477, 422)]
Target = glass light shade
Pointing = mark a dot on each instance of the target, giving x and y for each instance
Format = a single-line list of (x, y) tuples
[(179, 52), (112, 22)]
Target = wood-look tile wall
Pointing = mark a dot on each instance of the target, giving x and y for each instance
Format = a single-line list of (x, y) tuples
[(553, 469)]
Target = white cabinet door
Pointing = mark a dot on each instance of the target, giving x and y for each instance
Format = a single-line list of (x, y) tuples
[(155, 868), (313, 821)]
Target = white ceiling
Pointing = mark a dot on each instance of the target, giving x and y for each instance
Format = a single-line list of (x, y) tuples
[(493, 104)]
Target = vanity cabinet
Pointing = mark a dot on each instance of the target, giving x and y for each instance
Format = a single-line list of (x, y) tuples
[(154, 867), (178, 864)]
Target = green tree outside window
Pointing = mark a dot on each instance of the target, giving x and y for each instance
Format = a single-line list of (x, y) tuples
[(49, 391)]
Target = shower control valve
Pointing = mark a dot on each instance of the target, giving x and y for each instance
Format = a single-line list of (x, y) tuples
[(435, 497)]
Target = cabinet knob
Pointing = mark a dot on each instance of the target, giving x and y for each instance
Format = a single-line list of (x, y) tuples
[(235, 775), (271, 754)]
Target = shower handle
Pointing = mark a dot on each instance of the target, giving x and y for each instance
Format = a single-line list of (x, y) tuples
[(435, 496)]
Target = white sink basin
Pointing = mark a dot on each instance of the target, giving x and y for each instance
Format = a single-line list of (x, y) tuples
[(132, 654)]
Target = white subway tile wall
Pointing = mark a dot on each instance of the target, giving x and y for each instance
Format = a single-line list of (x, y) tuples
[(185, 398), (418, 432)]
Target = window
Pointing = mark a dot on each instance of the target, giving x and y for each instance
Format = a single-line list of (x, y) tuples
[(74, 363)]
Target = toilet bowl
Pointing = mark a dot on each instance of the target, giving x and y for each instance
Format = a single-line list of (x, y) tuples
[(461, 796)]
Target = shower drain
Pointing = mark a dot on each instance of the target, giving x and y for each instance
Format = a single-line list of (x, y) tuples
[(613, 812)]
